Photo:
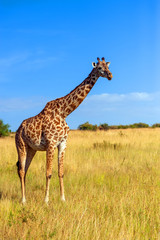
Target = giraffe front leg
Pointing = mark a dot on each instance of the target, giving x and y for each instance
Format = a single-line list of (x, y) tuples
[(61, 151), (49, 159)]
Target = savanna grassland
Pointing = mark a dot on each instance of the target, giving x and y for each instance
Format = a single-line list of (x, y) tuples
[(112, 188)]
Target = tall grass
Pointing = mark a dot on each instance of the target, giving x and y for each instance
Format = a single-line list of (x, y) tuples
[(112, 188)]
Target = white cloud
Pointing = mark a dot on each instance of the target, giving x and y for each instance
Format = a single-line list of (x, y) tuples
[(21, 104), (45, 32), (110, 108), (25, 60), (117, 98), (118, 109), (12, 60), (41, 61), (102, 102)]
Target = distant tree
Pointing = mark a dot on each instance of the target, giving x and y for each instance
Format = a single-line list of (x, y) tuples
[(103, 126), (156, 125), (139, 125), (4, 129), (87, 126)]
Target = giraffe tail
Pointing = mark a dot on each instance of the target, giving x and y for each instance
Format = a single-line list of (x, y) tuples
[(18, 165)]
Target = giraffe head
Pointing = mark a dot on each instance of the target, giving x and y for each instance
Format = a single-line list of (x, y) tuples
[(102, 68)]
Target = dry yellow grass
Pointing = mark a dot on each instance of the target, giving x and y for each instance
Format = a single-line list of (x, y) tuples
[(112, 188)]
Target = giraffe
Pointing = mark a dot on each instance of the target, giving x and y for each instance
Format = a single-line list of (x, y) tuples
[(48, 130)]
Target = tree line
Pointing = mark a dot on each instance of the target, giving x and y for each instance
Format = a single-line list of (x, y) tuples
[(5, 131), (105, 126)]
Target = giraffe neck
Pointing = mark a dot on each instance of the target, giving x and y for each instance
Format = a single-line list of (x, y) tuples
[(75, 97)]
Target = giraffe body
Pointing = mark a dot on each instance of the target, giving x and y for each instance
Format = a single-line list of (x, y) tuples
[(44, 129), (49, 130)]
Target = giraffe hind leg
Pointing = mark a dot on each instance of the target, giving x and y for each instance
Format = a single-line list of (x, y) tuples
[(61, 151), (30, 155), (21, 172), (25, 155), (49, 160), (23, 164)]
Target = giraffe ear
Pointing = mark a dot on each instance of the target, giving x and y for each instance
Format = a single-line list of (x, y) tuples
[(108, 63), (94, 64)]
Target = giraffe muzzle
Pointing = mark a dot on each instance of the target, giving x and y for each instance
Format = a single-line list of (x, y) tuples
[(109, 76)]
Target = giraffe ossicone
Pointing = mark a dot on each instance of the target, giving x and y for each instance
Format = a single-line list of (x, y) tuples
[(49, 130)]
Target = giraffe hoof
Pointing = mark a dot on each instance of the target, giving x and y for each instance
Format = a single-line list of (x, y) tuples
[(46, 201), (63, 199), (24, 201)]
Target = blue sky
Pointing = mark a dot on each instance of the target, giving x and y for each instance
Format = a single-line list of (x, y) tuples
[(47, 47)]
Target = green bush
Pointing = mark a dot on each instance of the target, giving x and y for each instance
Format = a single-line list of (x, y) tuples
[(139, 125), (103, 126), (87, 126), (4, 129), (156, 125)]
